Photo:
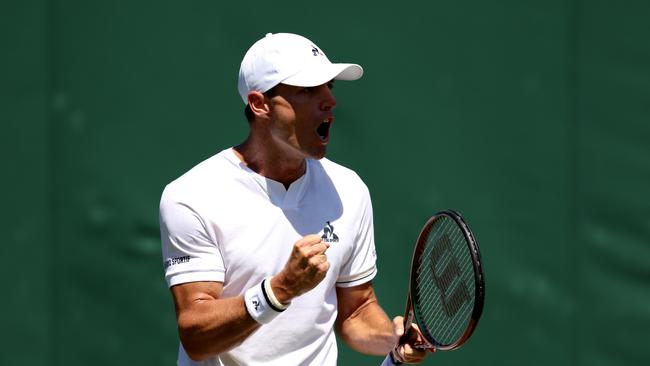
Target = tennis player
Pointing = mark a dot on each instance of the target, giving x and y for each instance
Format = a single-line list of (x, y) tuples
[(269, 246)]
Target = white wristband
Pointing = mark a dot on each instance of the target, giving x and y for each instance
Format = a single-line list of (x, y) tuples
[(272, 299), (259, 305)]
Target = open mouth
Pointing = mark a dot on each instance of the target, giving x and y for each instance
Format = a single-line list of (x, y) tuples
[(323, 130)]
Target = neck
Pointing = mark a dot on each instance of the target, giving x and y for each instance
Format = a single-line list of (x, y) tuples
[(273, 163)]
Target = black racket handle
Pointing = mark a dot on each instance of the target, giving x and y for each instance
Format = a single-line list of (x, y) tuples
[(410, 336)]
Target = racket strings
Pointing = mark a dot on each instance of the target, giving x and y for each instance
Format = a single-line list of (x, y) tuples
[(444, 281)]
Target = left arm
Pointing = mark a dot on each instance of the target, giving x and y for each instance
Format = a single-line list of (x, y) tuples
[(366, 328), (362, 323)]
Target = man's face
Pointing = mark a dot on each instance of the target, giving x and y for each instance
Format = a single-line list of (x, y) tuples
[(302, 117)]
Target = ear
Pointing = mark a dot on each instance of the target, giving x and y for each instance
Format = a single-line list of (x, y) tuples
[(257, 103)]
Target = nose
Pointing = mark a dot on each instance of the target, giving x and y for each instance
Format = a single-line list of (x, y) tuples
[(328, 101)]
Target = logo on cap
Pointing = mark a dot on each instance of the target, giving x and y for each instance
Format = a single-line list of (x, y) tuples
[(315, 50)]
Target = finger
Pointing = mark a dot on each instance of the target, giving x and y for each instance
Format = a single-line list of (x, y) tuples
[(398, 326), (318, 265), (419, 337), (317, 249), (324, 267), (309, 240), (412, 354), (318, 259), (323, 257)]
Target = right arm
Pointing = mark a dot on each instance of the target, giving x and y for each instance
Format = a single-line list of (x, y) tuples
[(209, 324)]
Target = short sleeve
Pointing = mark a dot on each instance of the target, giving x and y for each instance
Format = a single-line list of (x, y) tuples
[(190, 253), (361, 266)]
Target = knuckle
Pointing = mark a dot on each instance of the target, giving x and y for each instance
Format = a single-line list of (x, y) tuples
[(325, 266)]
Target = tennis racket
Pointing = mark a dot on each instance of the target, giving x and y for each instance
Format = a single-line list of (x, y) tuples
[(447, 285)]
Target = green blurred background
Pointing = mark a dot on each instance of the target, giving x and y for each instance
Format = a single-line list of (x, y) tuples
[(530, 117)]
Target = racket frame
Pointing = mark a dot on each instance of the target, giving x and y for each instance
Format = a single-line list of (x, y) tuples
[(479, 279)]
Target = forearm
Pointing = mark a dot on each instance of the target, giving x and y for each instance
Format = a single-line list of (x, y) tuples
[(213, 326), (368, 330), (209, 324)]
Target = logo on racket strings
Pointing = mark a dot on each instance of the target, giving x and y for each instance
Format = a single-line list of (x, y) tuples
[(328, 234), (444, 278)]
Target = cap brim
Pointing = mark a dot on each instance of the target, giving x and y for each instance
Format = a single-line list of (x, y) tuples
[(324, 73)]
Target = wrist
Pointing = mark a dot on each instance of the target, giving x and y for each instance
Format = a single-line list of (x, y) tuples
[(261, 303), (395, 357), (272, 298), (281, 292)]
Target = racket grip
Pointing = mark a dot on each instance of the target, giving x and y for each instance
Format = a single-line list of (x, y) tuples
[(406, 337), (409, 335)]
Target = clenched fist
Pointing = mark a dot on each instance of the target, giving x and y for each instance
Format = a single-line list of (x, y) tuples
[(306, 268)]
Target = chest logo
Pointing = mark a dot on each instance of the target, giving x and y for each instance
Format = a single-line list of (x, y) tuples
[(328, 234)]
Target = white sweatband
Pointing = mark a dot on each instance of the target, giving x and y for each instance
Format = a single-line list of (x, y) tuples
[(272, 299), (259, 305)]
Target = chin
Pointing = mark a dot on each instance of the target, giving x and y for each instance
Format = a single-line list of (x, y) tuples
[(318, 155), (313, 151)]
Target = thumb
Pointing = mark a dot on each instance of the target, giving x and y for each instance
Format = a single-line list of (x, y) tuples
[(398, 326)]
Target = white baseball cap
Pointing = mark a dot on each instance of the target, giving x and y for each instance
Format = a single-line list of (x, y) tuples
[(289, 59)]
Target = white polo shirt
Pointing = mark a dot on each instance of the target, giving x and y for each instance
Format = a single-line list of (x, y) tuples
[(223, 222)]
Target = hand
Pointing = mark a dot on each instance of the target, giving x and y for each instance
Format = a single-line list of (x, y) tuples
[(409, 352), (306, 268)]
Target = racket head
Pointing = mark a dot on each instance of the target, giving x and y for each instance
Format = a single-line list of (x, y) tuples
[(447, 285)]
